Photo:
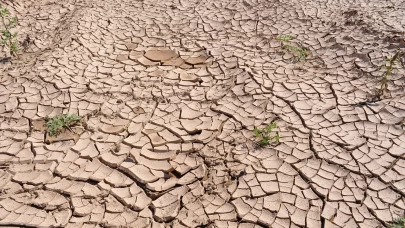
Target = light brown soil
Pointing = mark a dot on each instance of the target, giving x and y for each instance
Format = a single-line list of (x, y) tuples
[(170, 92)]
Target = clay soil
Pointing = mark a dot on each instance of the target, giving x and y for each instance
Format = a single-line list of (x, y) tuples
[(169, 93)]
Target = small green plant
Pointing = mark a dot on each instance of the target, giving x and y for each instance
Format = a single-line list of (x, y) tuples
[(7, 37), (264, 136), (57, 123), (398, 223), (301, 53), (285, 38), (389, 67)]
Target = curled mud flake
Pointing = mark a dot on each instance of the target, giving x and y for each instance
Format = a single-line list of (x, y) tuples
[(160, 55)]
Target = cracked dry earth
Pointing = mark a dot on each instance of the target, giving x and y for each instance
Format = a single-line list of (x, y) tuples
[(170, 92)]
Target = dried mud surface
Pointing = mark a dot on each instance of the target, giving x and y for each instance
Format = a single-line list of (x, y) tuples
[(170, 92)]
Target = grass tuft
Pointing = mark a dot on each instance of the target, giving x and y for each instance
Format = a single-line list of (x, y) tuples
[(7, 38), (285, 38), (398, 223)]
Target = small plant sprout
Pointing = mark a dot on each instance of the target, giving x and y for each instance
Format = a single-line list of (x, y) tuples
[(57, 123), (266, 136), (398, 223), (301, 53), (8, 38), (389, 67), (285, 38)]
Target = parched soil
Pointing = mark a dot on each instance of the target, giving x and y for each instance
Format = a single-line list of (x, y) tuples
[(170, 92)]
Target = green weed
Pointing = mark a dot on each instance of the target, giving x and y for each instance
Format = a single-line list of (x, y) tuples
[(7, 37), (285, 38), (57, 123), (398, 223), (264, 136), (389, 66), (301, 53)]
